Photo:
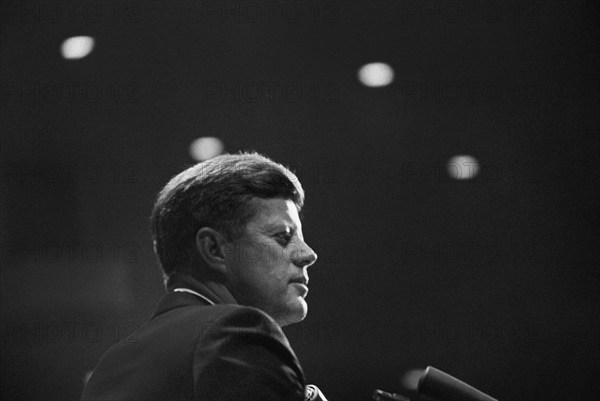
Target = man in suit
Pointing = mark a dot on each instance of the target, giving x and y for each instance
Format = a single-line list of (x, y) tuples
[(229, 240)]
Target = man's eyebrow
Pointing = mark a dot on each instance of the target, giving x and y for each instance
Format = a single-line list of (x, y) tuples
[(278, 225)]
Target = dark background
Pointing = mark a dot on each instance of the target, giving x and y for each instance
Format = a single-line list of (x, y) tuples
[(494, 279)]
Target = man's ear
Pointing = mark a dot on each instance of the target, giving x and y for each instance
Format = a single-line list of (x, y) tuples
[(210, 244)]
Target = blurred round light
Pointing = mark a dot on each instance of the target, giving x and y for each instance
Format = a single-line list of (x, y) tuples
[(376, 74), (463, 167), (206, 148), (77, 47)]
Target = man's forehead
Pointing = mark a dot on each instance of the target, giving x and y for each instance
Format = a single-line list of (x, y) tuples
[(275, 212)]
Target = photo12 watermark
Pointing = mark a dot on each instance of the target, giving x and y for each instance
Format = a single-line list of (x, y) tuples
[(61, 172), (469, 92), (38, 332), (71, 252), (80, 13), (469, 11), (269, 92), (273, 12), (69, 92)]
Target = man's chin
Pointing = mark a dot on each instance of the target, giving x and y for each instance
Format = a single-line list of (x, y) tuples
[(296, 313), (303, 308)]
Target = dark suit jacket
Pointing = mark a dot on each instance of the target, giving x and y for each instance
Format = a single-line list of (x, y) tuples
[(191, 350)]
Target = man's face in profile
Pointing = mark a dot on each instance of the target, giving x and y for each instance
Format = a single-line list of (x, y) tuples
[(267, 266)]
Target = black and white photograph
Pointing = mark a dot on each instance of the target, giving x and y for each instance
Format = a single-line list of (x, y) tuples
[(303, 200)]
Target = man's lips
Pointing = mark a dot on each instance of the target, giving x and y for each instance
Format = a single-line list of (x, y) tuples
[(301, 280), (302, 285)]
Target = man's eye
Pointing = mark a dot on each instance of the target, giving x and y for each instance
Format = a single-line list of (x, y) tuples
[(284, 238)]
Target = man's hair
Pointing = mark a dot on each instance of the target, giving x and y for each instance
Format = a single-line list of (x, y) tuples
[(216, 193)]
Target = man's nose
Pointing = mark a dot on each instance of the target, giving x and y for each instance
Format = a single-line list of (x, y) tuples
[(304, 256)]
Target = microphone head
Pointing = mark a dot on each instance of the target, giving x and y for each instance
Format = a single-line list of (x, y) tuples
[(440, 386), (410, 380)]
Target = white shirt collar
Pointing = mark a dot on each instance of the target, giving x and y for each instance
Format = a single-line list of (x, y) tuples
[(195, 293)]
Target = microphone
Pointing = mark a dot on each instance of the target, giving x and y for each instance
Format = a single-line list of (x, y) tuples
[(440, 386), (380, 395), (312, 393)]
